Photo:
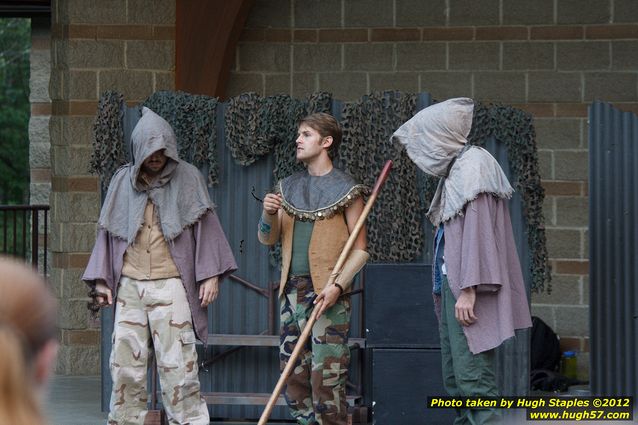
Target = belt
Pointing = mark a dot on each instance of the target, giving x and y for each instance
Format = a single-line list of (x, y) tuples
[(298, 276)]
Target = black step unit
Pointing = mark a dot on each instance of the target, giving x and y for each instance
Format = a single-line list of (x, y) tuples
[(402, 380), (399, 309)]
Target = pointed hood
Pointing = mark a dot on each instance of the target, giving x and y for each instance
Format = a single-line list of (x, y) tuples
[(151, 134), (178, 192)]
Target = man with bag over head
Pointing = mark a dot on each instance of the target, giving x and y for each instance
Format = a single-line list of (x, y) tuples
[(479, 292)]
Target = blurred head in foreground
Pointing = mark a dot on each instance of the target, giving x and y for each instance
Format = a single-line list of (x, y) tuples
[(28, 343)]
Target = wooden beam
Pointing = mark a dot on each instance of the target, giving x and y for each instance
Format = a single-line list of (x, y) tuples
[(206, 36)]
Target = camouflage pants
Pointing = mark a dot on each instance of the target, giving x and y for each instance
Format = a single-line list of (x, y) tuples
[(316, 389), (154, 316)]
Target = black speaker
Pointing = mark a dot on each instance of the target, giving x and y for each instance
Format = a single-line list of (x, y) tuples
[(402, 379), (399, 310)]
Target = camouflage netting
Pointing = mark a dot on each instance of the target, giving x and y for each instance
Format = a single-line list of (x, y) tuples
[(108, 142), (194, 120), (515, 129), (395, 231), (256, 126)]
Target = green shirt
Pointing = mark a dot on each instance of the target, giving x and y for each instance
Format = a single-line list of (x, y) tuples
[(299, 264)]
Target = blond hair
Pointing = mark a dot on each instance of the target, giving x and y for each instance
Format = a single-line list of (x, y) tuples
[(28, 313)]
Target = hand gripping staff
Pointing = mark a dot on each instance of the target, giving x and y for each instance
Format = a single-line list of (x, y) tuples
[(335, 272)]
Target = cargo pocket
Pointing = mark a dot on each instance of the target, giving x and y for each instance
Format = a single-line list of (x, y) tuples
[(187, 337), (189, 353)]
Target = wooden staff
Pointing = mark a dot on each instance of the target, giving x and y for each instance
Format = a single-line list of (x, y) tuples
[(335, 272)]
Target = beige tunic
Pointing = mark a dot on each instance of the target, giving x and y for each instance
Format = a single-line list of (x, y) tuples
[(148, 258)]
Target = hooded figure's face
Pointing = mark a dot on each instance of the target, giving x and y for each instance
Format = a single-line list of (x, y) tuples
[(434, 136), (154, 163), (154, 150)]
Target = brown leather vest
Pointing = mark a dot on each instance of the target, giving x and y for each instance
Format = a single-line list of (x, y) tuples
[(328, 238)]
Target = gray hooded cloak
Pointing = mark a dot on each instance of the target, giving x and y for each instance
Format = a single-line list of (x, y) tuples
[(187, 217), (179, 193)]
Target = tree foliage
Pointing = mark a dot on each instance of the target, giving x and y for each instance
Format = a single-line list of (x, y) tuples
[(15, 43)]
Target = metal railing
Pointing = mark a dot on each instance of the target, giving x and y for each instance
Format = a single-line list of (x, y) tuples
[(24, 233)]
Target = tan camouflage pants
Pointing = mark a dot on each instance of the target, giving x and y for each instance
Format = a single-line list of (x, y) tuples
[(154, 316)]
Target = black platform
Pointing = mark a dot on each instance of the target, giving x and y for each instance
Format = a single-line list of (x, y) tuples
[(403, 354)]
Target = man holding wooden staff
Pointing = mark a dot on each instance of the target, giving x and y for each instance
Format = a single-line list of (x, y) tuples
[(313, 212)]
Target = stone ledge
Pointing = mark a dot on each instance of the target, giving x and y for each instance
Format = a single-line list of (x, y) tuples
[(40, 175), (502, 33), (40, 108), (578, 267), (345, 35), (563, 188), (80, 337), (120, 32), (395, 34), (609, 32), (568, 109), (278, 35), (70, 260), (302, 36), (76, 108), (572, 110), (75, 184), (580, 344), (387, 34), (163, 32), (554, 32), (113, 32), (448, 34), (538, 110)]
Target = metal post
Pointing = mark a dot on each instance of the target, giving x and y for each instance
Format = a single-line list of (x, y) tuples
[(34, 238), (46, 239)]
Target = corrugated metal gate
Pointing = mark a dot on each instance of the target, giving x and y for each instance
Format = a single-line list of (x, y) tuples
[(243, 309), (613, 250)]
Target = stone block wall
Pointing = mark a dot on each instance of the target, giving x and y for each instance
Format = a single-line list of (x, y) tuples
[(39, 141), (549, 57), (96, 45)]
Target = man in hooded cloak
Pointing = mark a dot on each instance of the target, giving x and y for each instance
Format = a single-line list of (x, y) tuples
[(160, 254)]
